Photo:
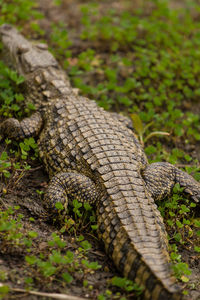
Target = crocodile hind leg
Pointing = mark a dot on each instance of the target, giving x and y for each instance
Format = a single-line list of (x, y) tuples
[(161, 177), (28, 127), (67, 186)]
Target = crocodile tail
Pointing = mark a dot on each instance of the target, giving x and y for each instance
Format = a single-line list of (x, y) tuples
[(135, 259)]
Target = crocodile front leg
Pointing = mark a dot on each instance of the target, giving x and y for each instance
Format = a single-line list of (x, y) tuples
[(67, 186), (29, 127), (161, 177)]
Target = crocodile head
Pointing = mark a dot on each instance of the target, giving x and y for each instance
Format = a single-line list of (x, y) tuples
[(23, 55)]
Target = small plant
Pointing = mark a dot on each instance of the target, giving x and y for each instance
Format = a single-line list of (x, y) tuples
[(60, 42), (27, 145), (5, 164), (4, 290), (3, 275), (81, 216), (140, 129), (10, 96), (176, 213), (20, 13), (62, 262), (56, 241), (181, 270), (11, 231), (91, 265), (126, 285)]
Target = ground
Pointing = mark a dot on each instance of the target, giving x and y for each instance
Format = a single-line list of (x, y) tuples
[(44, 257)]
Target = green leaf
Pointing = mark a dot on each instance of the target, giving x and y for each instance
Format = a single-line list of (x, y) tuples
[(119, 281), (94, 227), (137, 123), (184, 278), (197, 223), (197, 249), (33, 234), (19, 80), (80, 238), (184, 209), (4, 289), (91, 265), (31, 106), (56, 240), (178, 236), (67, 277), (86, 245), (180, 225), (59, 206), (87, 206), (47, 269), (31, 260), (69, 257), (4, 156), (76, 204)]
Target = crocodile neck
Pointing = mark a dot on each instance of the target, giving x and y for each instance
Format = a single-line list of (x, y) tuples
[(44, 86)]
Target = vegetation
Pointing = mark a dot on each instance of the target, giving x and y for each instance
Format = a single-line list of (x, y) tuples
[(141, 61)]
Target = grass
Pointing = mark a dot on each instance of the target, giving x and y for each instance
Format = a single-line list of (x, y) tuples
[(141, 60)]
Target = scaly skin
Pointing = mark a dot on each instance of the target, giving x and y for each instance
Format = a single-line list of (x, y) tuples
[(92, 155)]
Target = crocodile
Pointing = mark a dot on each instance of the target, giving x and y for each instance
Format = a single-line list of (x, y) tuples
[(94, 155)]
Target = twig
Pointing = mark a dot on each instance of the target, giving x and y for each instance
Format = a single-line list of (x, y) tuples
[(3, 203), (50, 295), (36, 168)]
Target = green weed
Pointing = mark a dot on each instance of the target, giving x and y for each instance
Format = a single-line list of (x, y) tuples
[(126, 284), (10, 96), (157, 73), (11, 231), (18, 11), (62, 262), (177, 213), (4, 290)]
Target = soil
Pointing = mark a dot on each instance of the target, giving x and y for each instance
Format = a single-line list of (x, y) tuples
[(24, 190)]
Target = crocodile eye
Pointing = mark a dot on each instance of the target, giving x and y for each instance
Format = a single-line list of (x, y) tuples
[(22, 49), (42, 46)]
